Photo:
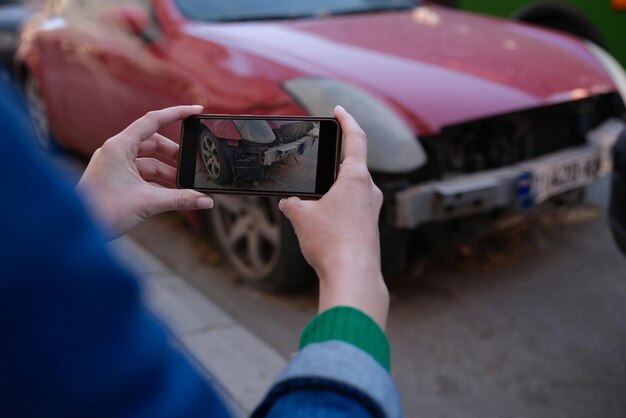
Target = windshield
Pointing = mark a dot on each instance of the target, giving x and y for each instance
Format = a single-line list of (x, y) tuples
[(238, 10)]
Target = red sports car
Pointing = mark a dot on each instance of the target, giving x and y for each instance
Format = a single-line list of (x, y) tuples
[(467, 116)]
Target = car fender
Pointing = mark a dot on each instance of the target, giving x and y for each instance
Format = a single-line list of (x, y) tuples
[(257, 131), (223, 129)]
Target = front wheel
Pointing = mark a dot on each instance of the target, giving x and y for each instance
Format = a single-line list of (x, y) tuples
[(259, 243), (214, 158)]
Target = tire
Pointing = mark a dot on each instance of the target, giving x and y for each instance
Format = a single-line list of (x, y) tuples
[(561, 17), (259, 243), (394, 247), (214, 158), (39, 114)]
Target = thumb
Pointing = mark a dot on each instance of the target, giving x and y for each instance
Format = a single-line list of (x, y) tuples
[(289, 207), (173, 199)]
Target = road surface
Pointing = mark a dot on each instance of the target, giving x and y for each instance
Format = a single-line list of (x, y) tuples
[(529, 323)]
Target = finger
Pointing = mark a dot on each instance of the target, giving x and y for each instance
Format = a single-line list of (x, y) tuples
[(159, 145), (151, 169), (163, 200), (355, 144), (146, 126)]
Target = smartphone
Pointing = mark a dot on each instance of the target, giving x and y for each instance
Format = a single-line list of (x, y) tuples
[(259, 155)]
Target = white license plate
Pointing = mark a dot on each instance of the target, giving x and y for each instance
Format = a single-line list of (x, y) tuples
[(553, 178)]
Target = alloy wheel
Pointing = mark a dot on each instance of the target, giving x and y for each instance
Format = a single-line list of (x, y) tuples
[(248, 230), (210, 155)]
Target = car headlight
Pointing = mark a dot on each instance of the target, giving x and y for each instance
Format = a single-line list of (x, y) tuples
[(392, 145), (8, 40), (611, 66)]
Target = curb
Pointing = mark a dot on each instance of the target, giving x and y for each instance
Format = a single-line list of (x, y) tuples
[(229, 354)]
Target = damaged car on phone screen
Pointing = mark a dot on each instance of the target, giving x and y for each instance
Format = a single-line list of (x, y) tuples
[(241, 150), (468, 117)]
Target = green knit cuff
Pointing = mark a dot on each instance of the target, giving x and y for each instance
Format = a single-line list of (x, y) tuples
[(348, 324)]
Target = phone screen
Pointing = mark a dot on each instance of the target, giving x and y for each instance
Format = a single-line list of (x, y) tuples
[(259, 155)]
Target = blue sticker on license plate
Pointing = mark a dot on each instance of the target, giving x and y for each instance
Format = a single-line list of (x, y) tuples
[(524, 190)]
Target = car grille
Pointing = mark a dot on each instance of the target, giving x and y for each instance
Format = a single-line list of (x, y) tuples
[(502, 140)]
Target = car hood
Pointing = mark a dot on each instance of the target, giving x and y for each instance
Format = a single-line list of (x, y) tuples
[(433, 65)]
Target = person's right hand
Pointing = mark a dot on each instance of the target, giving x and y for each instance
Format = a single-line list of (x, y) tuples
[(338, 234)]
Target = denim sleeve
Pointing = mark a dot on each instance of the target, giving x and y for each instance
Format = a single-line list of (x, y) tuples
[(75, 340), (332, 379)]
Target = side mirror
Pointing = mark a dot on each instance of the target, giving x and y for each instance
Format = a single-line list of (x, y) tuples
[(131, 18)]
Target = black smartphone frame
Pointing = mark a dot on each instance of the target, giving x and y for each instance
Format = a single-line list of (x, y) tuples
[(328, 155)]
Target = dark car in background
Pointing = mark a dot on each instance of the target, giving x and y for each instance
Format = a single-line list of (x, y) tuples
[(617, 206), (13, 14), (469, 118), (600, 21)]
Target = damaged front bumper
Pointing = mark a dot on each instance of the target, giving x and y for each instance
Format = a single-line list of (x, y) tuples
[(517, 186), (297, 147)]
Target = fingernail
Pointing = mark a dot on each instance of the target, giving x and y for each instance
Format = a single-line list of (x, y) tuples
[(281, 202), (340, 108), (204, 202)]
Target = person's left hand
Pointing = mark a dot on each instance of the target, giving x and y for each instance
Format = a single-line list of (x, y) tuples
[(124, 181)]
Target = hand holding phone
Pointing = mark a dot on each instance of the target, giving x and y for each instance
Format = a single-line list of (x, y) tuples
[(338, 234), (119, 182), (260, 155)]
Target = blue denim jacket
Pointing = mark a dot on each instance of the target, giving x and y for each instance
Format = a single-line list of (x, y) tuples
[(332, 379), (75, 340)]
